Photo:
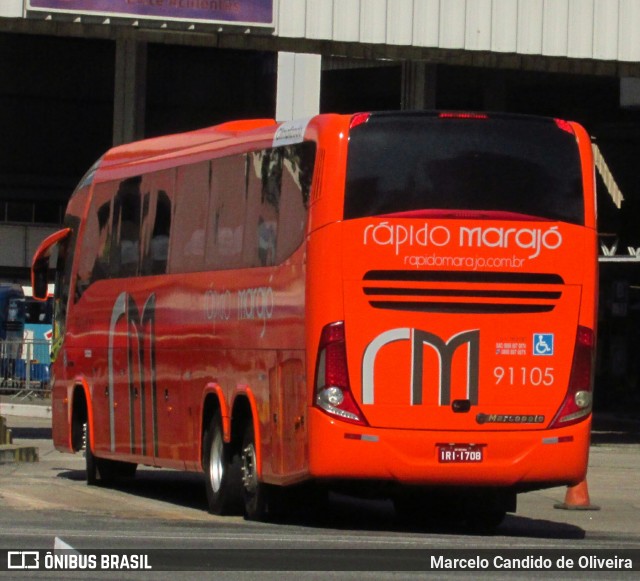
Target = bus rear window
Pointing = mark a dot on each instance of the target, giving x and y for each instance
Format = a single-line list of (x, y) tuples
[(404, 163)]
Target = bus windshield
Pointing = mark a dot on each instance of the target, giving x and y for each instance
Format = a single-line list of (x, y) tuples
[(525, 167)]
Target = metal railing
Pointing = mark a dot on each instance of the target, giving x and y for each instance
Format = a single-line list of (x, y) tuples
[(24, 368)]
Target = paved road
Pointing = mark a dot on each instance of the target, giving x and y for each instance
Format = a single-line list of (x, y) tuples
[(165, 510)]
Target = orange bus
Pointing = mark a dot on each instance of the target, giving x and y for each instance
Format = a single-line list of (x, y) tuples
[(399, 303)]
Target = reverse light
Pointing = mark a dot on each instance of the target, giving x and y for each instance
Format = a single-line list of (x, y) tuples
[(332, 387), (578, 400), (332, 396)]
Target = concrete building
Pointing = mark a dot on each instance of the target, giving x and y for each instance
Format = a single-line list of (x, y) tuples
[(77, 76)]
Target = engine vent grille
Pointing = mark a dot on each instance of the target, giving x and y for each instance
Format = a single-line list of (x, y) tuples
[(462, 292)]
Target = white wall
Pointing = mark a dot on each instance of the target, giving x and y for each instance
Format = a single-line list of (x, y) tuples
[(586, 29), (298, 92), (11, 8)]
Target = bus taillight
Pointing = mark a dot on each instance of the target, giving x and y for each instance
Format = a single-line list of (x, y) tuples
[(462, 115), (332, 388), (565, 126), (577, 403), (359, 119)]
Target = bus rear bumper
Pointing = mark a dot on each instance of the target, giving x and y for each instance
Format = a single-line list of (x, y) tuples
[(519, 459)]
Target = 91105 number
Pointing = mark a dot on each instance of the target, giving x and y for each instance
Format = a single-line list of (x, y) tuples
[(521, 376)]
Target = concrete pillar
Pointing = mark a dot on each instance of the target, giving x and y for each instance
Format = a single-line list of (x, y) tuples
[(419, 84), (130, 91), (298, 93)]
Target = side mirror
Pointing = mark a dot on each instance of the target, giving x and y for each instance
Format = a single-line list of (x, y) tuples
[(40, 278), (40, 264)]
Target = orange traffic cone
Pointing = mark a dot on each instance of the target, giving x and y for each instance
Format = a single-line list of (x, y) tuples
[(577, 498)]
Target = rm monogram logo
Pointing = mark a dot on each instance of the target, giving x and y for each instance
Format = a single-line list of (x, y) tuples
[(445, 351)]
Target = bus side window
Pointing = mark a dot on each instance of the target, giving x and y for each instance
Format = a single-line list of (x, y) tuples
[(100, 268), (126, 254), (188, 229), (156, 222), (93, 260), (226, 219), (297, 175), (263, 204), (159, 244)]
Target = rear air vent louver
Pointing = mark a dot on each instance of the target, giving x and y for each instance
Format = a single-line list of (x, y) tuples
[(462, 292)]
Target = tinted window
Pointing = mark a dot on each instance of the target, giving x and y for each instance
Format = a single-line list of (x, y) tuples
[(192, 203), (297, 173), (263, 196), (155, 228), (227, 212), (421, 162), (258, 212)]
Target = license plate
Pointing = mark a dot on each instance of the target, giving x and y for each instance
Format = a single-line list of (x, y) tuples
[(460, 453)]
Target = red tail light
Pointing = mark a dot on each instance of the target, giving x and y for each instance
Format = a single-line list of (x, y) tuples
[(565, 126), (359, 119), (462, 115), (332, 388), (577, 403)]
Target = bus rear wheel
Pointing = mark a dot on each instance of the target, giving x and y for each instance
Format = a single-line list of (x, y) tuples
[(485, 520), (255, 494), (222, 470)]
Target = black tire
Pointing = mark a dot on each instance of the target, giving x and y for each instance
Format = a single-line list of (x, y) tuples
[(111, 471), (486, 509), (255, 494), (485, 521), (481, 511), (103, 471), (222, 468), (90, 459)]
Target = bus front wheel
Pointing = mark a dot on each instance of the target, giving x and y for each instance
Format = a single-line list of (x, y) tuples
[(101, 470), (90, 459), (222, 470)]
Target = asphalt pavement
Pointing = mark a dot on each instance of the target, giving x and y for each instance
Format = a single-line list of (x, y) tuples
[(611, 486)]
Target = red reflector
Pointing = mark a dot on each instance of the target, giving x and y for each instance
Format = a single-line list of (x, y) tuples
[(565, 126), (362, 437), (454, 115), (560, 440), (359, 119)]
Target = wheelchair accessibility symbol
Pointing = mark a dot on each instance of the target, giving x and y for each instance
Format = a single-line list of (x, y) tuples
[(543, 343)]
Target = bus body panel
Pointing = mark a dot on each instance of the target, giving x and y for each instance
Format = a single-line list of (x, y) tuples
[(252, 338), (457, 331), (523, 460), (432, 337)]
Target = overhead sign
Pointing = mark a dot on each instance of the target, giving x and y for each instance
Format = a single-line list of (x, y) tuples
[(244, 12)]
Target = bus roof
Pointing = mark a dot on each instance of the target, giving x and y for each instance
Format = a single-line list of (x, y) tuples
[(166, 145)]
